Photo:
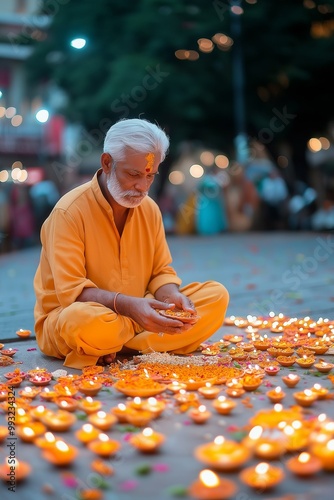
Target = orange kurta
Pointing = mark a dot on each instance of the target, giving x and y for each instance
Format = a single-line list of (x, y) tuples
[(81, 248)]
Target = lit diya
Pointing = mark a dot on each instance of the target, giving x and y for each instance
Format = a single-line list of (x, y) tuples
[(222, 454), (8, 352), (320, 391), (199, 415), (147, 441), (305, 398), (142, 388), (262, 477), (305, 361), (325, 453), (40, 380), (272, 369), (66, 403), (59, 421), (323, 367), (304, 465), (276, 395), (60, 454), (29, 432), (223, 405), (210, 487), (89, 406), (15, 373), (23, 333), (87, 433), (102, 420), (90, 387), (291, 380), (14, 470), (104, 446), (209, 391)]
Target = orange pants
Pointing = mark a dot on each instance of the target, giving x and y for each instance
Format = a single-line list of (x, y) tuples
[(85, 331)]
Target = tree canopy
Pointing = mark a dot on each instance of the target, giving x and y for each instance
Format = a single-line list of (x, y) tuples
[(130, 66)]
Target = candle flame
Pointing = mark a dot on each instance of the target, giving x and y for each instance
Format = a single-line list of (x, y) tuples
[(61, 446), (121, 406), (87, 427), (256, 432), (103, 437), (28, 431), (202, 409), (317, 387), (304, 457), (262, 468), (322, 417), (49, 437), (209, 478), (307, 392), (278, 389), (147, 432), (152, 401), (137, 400), (101, 414), (278, 407), (330, 445), (89, 399), (288, 430), (296, 424), (219, 440), (221, 399), (146, 373)]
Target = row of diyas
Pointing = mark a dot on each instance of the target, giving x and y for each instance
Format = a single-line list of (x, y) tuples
[(278, 322)]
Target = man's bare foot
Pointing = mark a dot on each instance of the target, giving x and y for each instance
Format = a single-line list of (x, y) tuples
[(107, 359)]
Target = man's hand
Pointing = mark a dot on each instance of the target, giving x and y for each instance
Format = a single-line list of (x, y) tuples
[(145, 313)]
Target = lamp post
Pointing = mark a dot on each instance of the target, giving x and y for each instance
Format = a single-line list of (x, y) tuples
[(241, 146)]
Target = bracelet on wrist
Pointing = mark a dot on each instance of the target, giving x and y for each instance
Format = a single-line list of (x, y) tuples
[(114, 304)]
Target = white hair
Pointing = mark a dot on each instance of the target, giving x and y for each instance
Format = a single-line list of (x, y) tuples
[(138, 135)]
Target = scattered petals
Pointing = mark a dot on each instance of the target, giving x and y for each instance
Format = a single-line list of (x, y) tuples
[(69, 480), (102, 468), (178, 491), (91, 494), (128, 485), (143, 470), (160, 467)]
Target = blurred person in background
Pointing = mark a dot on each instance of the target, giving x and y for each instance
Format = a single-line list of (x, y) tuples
[(22, 222), (105, 265), (4, 220), (242, 201), (44, 195), (210, 213), (271, 186)]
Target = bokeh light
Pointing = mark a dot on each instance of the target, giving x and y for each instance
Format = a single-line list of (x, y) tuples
[(176, 177), (222, 161), (196, 171)]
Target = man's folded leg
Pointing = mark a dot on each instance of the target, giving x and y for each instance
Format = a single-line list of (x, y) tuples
[(210, 300), (84, 332)]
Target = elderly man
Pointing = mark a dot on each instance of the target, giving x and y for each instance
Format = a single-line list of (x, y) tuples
[(105, 266)]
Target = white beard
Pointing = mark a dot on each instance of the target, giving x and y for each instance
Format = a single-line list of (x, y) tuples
[(127, 199)]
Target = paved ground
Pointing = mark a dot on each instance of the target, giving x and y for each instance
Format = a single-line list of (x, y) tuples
[(288, 272)]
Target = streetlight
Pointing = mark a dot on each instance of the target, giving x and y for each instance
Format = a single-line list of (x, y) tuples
[(78, 43), (241, 145), (42, 115)]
